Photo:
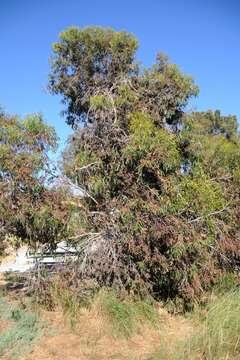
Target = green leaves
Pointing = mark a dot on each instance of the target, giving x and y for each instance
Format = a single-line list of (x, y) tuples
[(154, 148), (213, 141), (86, 60), (100, 102), (24, 144), (198, 196)]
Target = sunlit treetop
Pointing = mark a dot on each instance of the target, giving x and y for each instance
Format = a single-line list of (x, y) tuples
[(24, 145), (97, 66)]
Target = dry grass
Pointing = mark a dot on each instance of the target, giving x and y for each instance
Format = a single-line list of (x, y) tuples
[(110, 329), (215, 336), (93, 338)]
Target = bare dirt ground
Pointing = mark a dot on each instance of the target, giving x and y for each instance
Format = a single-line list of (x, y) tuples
[(4, 324)]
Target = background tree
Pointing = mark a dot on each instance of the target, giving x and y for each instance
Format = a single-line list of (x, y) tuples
[(28, 210)]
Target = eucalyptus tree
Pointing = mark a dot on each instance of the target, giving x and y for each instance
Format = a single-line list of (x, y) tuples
[(149, 225)]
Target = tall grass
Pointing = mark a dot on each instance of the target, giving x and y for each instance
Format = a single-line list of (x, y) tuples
[(216, 335), (126, 316), (220, 337)]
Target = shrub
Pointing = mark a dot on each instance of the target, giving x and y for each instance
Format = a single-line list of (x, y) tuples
[(162, 197), (29, 211)]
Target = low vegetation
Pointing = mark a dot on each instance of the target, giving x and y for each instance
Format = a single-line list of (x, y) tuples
[(130, 329), (20, 329), (216, 335)]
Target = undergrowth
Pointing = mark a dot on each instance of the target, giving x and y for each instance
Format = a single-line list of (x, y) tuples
[(126, 316), (216, 335), (212, 330), (23, 329)]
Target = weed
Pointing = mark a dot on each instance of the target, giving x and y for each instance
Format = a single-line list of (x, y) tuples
[(220, 338), (13, 277), (226, 283)]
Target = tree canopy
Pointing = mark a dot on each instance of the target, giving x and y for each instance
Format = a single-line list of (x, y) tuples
[(163, 183)]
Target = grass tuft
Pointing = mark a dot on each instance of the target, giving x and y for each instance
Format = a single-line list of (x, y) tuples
[(220, 338), (126, 316)]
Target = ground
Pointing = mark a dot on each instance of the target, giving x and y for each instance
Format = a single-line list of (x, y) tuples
[(92, 340), (92, 337)]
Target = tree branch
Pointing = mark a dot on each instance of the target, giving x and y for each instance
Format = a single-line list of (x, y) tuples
[(210, 214)]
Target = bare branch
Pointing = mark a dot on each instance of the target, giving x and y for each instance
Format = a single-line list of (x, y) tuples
[(86, 166), (210, 214)]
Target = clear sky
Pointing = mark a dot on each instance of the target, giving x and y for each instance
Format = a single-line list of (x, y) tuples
[(201, 36)]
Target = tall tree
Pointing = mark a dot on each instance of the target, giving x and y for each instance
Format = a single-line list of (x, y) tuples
[(157, 210)]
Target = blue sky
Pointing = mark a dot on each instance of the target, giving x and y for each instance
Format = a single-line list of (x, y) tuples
[(202, 37)]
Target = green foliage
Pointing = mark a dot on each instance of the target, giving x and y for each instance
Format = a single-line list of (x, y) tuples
[(13, 240), (228, 282), (23, 145), (149, 142), (219, 338), (170, 88), (101, 54), (212, 139), (84, 158), (211, 123), (214, 335), (197, 196), (47, 224), (99, 102), (126, 96), (96, 185)]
